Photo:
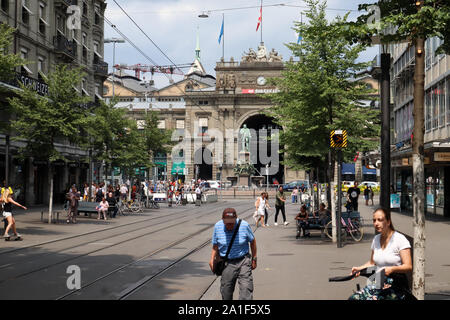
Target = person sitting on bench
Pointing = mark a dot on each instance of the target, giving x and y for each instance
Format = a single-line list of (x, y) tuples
[(324, 216), (302, 222)]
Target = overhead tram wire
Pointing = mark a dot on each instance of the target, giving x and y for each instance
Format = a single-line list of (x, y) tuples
[(154, 63)]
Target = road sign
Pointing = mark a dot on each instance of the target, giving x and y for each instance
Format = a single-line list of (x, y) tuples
[(338, 139)]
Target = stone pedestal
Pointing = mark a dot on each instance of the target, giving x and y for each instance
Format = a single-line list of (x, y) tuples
[(244, 181), (244, 156)]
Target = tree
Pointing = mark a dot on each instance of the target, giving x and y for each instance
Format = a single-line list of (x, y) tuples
[(320, 93), (412, 22), (44, 121), (8, 62)]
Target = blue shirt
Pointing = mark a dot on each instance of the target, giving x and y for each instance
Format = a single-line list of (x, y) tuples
[(222, 238)]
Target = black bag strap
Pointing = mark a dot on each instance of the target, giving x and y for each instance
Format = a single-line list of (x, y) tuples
[(232, 239)]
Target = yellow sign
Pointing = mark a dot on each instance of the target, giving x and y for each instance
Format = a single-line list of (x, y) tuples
[(338, 139), (442, 156)]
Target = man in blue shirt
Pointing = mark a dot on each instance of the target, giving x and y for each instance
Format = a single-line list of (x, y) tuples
[(239, 264)]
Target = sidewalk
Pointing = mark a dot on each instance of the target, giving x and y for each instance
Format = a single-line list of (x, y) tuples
[(291, 269)]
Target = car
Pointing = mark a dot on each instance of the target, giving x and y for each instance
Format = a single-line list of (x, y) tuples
[(297, 183), (375, 185), (214, 184)]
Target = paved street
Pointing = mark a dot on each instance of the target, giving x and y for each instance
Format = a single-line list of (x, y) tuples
[(163, 254)]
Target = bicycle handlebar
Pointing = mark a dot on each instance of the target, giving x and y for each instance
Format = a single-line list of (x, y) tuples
[(366, 272)]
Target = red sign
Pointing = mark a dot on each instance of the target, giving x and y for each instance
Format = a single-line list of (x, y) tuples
[(248, 91)]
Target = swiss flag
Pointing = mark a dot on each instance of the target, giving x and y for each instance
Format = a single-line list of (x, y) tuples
[(259, 19)]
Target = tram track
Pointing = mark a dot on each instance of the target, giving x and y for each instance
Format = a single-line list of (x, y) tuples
[(146, 280), (45, 267)]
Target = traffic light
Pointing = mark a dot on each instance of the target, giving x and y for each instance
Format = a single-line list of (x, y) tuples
[(338, 139)]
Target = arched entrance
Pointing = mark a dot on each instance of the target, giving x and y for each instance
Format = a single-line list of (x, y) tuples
[(263, 150), (203, 164)]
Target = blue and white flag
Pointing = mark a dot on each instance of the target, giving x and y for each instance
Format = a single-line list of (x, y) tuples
[(299, 38), (221, 31)]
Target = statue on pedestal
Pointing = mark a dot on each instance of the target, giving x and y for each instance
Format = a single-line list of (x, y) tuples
[(245, 138)]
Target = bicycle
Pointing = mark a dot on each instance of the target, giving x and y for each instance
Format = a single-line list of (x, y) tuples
[(350, 224), (376, 279)]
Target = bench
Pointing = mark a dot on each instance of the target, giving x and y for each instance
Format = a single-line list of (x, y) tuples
[(84, 206), (315, 225)]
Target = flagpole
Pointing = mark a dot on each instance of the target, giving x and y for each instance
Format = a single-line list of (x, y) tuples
[(223, 35), (261, 22)]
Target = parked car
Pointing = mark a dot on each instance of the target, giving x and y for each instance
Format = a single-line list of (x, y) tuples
[(297, 183), (214, 184), (375, 185)]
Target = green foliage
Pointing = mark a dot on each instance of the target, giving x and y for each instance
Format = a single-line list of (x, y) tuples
[(401, 20), (156, 140), (7, 61), (319, 93), (44, 121)]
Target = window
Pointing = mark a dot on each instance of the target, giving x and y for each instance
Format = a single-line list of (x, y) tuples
[(60, 25), (161, 124), (85, 8), (85, 48), (84, 88), (41, 68), (448, 100), (24, 55), (97, 14), (75, 35), (203, 102), (97, 56), (428, 110), (434, 108), (180, 124), (440, 95), (203, 125), (98, 96), (5, 5), (26, 12), (140, 124), (42, 17)]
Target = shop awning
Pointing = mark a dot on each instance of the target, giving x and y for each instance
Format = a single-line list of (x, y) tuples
[(369, 171), (178, 168), (348, 168)]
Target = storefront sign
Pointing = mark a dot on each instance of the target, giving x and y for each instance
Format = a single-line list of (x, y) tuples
[(258, 91), (442, 156)]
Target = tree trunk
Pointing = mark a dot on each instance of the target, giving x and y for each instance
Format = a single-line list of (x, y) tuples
[(418, 173), (50, 201)]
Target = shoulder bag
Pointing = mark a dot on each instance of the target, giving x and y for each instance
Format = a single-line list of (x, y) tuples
[(219, 263)]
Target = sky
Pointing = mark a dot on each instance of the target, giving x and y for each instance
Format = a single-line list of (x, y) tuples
[(173, 26)]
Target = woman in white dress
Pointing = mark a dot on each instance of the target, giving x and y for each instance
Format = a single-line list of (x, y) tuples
[(260, 206)]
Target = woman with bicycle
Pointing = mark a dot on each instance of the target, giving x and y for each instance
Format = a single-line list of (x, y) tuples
[(391, 251)]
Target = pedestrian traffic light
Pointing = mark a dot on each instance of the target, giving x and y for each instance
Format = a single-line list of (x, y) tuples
[(338, 139)]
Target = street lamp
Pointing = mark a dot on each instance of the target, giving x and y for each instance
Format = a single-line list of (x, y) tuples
[(114, 41)]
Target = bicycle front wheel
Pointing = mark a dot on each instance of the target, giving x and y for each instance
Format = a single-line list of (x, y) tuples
[(356, 230), (329, 230)]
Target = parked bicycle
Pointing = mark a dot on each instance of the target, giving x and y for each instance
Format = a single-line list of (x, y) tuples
[(350, 225)]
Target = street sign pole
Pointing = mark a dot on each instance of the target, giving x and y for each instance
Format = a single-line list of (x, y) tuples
[(339, 140)]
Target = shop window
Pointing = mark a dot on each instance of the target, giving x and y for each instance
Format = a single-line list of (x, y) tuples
[(5, 5)]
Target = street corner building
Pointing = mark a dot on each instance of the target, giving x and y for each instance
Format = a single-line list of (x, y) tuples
[(44, 39)]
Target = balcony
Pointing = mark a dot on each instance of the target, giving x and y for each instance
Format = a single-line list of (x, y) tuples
[(59, 3), (67, 49), (100, 68)]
